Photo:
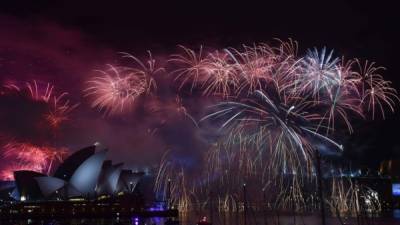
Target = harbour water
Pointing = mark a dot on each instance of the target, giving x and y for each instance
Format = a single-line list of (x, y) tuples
[(217, 219)]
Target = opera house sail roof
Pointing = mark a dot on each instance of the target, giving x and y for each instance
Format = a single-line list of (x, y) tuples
[(84, 174), (27, 187), (67, 169)]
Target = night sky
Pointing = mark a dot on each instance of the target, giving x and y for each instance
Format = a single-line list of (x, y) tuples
[(62, 43)]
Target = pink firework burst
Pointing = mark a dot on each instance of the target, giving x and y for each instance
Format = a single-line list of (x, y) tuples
[(376, 91), (116, 89), (59, 106), (215, 73), (26, 156)]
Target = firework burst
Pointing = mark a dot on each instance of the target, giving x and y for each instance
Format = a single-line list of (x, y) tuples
[(376, 91), (26, 156), (117, 88), (320, 72), (215, 74)]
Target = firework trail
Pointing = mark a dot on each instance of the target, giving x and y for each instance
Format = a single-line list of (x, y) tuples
[(348, 198), (59, 106), (191, 67), (215, 74), (26, 156), (283, 126), (172, 176), (117, 88), (320, 72), (376, 92), (166, 109)]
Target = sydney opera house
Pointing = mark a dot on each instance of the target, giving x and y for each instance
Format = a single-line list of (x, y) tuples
[(85, 174), (85, 184)]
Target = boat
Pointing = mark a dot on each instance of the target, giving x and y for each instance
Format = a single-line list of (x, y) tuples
[(204, 221)]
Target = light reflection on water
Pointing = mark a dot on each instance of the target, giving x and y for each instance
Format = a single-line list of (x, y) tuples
[(220, 219)]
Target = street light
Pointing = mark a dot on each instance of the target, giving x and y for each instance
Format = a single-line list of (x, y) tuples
[(245, 203), (320, 188)]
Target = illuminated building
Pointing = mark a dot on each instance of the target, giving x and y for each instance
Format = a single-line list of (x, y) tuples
[(85, 174)]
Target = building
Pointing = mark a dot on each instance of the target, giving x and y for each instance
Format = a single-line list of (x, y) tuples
[(84, 185), (83, 175)]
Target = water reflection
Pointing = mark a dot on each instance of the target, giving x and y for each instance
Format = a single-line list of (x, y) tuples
[(86, 221), (219, 219)]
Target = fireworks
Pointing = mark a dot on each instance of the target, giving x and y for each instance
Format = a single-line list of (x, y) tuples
[(54, 111), (171, 176), (26, 156), (305, 96), (181, 109), (59, 107), (191, 66), (215, 73), (228, 72), (319, 71), (376, 92), (348, 198), (272, 110), (116, 89), (276, 109)]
